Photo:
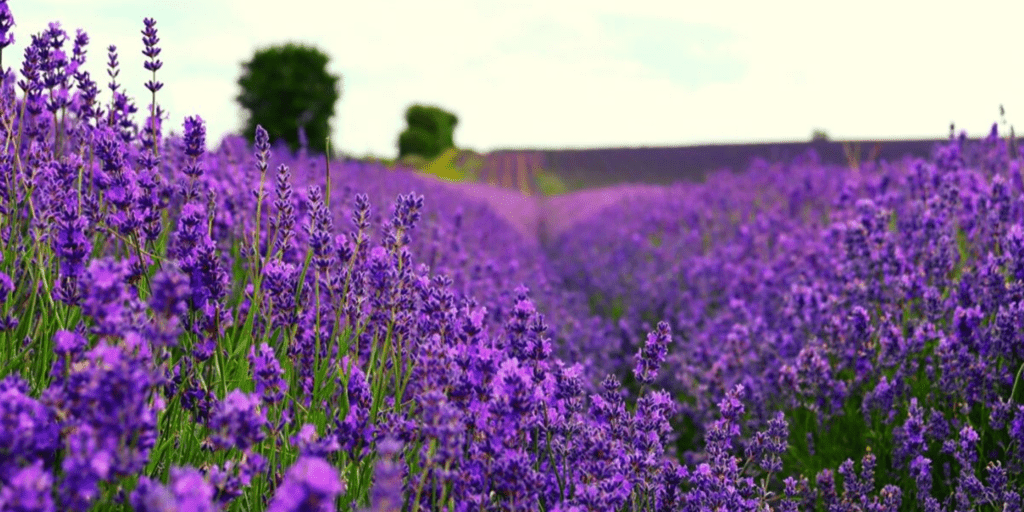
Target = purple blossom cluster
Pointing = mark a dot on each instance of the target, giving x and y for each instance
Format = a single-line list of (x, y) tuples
[(875, 307), (184, 328)]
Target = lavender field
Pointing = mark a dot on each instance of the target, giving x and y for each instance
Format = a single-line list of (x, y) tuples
[(184, 328)]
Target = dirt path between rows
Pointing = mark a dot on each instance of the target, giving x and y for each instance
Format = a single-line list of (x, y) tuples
[(543, 219)]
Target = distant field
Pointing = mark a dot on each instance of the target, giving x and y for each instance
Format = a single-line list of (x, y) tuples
[(586, 168), (544, 193), (556, 171)]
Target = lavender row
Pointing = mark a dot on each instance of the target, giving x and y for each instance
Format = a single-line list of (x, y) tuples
[(666, 165), (189, 330), (879, 308)]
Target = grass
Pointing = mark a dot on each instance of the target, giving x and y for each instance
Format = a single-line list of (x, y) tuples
[(443, 166), (549, 183), (457, 165)]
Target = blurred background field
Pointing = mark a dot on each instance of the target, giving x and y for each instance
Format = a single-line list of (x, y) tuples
[(544, 193), (552, 171)]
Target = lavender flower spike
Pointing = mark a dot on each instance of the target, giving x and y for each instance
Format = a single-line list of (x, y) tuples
[(195, 136), (29, 489), (6, 23), (310, 485), (650, 357), (150, 40), (187, 490)]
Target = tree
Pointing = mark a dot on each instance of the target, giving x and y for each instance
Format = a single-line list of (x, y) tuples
[(431, 131), (819, 134), (288, 87)]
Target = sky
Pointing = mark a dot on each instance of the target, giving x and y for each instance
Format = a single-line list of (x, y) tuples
[(548, 74)]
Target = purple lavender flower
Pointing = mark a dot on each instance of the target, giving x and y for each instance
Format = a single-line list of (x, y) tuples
[(797, 493), (284, 222), (386, 493), (969, 489), (88, 90), (444, 429), (53, 66), (267, 374), (32, 83), (406, 214), (379, 268), (110, 409), (72, 245), (195, 145), (262, 147), (280, 280), (191, 229), (6, 23), (151, 51), (120, 114), (68, 346), (6, 287), (768, 446), (199, 259), (1016, 431), (311, 484), (881, 399), (997, 486), (921, 472), (319, 229), (89, 458), (653, 354), (237, 423), (731, 406), (354, 430), (311, 445), (858, 486), (1014, 247), (169, 294), (78, 52), (67, 343), (187, 490), (28, 429), (106, 295), (231, 479), (195, 139), (361, 220), (28, 490), (514, 392)]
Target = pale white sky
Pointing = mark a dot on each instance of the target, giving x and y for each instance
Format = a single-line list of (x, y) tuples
[(594, 73)]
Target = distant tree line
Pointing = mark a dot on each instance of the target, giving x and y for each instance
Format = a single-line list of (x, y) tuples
[(288, 90)]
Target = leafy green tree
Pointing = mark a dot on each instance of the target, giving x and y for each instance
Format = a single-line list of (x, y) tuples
[(417, 141), (430, 131), (288, 87)]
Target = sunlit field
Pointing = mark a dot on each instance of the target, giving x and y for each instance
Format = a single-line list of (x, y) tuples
[(187, 328)]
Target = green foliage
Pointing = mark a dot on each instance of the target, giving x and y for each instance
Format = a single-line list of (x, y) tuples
[(819, 134), (288, 87), (413, 160), (444, 166), (417, 141), (430, 131), (549, 184), (422, 117), (470, 163)]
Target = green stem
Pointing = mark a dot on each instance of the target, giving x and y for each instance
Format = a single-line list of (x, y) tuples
[(1016, 382), (327, 161)]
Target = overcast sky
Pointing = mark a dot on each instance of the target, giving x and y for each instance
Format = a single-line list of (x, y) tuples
[(593, 73)]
